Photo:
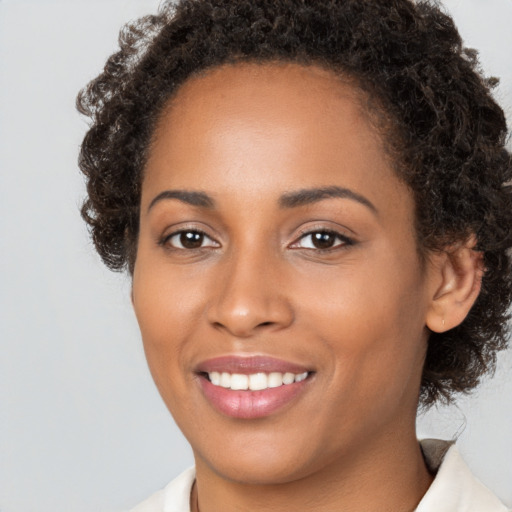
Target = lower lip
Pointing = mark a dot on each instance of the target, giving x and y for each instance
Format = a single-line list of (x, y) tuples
[(251, 404)]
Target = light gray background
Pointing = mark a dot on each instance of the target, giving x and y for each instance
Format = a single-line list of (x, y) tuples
[(81, 426)]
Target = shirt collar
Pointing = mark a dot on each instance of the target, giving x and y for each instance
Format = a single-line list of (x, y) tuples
[(454, 488)]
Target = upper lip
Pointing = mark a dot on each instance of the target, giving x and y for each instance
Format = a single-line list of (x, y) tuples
[(247, 365)]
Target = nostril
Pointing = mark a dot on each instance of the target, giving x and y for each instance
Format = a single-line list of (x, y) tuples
[(244, 314), (220, 325)]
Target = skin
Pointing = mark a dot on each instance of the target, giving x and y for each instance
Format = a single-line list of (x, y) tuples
[(357, 314)]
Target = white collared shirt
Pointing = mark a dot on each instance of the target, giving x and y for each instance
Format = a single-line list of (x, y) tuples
[(454, 488)]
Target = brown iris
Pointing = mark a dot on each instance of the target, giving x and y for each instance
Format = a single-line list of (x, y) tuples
[(323, 239), (191, 239)]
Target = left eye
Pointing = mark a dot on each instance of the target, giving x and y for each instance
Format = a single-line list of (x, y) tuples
[(322, 240), (190, 240)]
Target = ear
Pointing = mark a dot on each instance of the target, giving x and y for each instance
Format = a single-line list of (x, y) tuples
[(456, 281)]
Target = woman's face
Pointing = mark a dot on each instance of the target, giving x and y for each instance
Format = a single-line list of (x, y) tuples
[(277, 245)]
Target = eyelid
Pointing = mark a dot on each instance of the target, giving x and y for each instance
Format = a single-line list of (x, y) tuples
[(164, 240), (304, 232)]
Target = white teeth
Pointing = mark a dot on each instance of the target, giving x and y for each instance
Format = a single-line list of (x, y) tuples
[(258, 381), (275, 379), (254, 381), (239, 381), (225, 380), (288, 378), (301, 377)]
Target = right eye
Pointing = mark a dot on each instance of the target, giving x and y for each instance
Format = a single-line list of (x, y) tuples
[(189, 239)]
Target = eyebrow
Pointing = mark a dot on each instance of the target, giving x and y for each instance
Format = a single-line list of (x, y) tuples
[(313, 195), (185, 196), (294, 199)]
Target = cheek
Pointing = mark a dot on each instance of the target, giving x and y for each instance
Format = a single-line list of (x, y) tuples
[(167, 299), (371, 322), (168, 308)]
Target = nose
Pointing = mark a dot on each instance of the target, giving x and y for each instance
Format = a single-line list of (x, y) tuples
[(250, 297)]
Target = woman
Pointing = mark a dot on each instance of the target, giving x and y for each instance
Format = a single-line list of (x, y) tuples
[(313, 201)]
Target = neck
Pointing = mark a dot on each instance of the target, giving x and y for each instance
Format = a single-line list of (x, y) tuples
[(387, 475)]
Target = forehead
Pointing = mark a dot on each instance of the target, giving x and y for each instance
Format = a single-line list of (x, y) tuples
[(263, 127), (267, 80), (244, 91)]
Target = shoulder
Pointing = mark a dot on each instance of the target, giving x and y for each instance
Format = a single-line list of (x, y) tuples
[(175, 497), (454, 489)]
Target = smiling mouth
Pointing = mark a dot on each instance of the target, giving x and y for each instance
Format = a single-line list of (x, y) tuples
[(254, 381), (251, 387), (253, 395)]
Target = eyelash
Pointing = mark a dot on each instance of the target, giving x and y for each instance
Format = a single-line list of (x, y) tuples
[(166, 239), (345, 241)]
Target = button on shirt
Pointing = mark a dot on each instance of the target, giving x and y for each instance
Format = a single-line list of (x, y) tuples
[(454, 488)]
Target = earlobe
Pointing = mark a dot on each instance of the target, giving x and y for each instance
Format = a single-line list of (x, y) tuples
[(457, 277)]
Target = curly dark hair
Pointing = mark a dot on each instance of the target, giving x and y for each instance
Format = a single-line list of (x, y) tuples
[(444, 132)]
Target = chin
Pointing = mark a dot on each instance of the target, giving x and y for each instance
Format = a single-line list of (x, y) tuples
[(258, 472), (258, 460)]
